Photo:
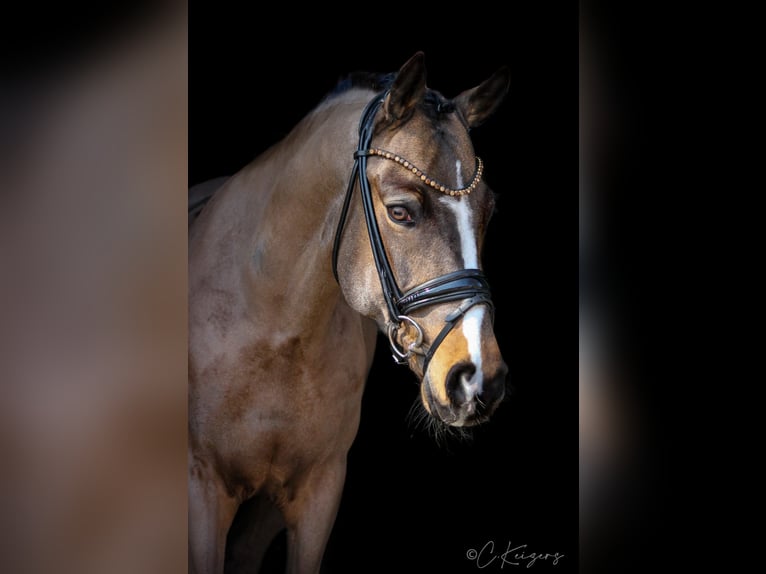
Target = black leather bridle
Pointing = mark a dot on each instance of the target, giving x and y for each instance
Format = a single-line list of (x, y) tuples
[(467, 285)]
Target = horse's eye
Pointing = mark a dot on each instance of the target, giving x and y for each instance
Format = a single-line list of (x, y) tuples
[(399, 214)]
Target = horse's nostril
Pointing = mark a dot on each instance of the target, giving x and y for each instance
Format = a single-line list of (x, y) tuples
[(493, 389), (457, 382)]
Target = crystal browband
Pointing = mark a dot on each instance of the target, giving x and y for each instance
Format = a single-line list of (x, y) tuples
[(427, 180)]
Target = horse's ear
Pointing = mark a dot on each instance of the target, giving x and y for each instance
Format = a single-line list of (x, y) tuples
[(408, 89), (478, 103)]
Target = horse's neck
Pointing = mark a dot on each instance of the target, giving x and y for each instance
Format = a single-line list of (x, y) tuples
[(268, 239)]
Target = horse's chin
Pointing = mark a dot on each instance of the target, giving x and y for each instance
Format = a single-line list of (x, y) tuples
[(459, 420)]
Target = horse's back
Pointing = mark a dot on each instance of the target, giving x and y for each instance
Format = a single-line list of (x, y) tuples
[(200, 194)]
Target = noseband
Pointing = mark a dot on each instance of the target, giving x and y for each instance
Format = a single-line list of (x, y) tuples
[(466, 285)]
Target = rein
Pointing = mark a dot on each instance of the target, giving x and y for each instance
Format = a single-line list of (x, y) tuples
[(468, 285)]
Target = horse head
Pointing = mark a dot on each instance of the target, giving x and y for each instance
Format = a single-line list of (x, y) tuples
[(412, 261)]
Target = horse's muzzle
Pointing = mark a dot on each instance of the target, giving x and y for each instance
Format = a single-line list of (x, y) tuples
[(473, 397)]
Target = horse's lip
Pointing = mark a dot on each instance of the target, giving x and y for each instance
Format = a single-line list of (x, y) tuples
[(475, 420), (439, 411)]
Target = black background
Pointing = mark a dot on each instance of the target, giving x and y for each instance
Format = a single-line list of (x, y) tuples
[(410, 504)]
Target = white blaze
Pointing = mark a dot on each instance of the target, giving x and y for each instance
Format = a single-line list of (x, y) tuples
[(474, 318), (463, 215)]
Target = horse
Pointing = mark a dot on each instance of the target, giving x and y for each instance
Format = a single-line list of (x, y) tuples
[(368, 217)]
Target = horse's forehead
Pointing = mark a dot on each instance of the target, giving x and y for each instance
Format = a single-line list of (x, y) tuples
[(441, 147), (443, 139)]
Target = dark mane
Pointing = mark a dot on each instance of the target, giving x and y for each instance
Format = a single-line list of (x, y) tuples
[(369, 80), (433, 101)]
